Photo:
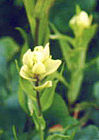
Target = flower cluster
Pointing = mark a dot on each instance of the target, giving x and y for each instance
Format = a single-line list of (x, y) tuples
[(80, 22), (38, 64), (82, 19)]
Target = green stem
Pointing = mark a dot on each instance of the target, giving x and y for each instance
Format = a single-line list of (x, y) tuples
[(40, 112), (37, 31), (39, 105), (41, 132), (76, 78)]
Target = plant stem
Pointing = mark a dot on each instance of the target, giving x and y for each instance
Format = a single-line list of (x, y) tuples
[(41, 132), (37, 31), (38, 102), (38, 98), (40, 112)]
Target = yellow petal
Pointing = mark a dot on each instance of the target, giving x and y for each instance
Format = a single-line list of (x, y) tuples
[(27, 58), (38, 56), (51, 65), (46, 51), (45, 85), (73, 20), (38, 48), (38, 68), (24, 73), (83, 19)]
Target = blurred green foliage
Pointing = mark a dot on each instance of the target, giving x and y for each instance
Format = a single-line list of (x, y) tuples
[(12, 15)]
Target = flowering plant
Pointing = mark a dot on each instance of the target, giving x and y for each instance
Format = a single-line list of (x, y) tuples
[(38, 64), (57, 103)]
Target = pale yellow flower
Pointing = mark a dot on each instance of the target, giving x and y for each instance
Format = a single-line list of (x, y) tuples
[(38, 64), (81, 20)]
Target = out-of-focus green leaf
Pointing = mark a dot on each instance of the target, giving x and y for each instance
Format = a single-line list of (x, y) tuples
[(88, 133), (14, 81), (88, 34), (61, 78), (23, 33), (36, 121), (58, 112), (1, 131), (23, 100), (42, 20), (94, 116), (26, 91), (8, 47), (75, 85), (25, 46), (43, 31), (96, 92), (14, 132), (84, 105), (3, 67), (78, 9), (30, 106), (18, 2), (58, 137), (39, 121), (66, 10), (60, 36), (30, 6), (27, 87), (42, 122), (48, 96)]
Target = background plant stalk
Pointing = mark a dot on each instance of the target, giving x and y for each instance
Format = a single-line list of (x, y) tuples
[(77, 77)]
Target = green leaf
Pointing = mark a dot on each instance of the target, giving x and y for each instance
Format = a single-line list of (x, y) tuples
[(84, 105), (18, 3), (25, 46), (89, 133), (58, 137), (61, 79), (14, 132), (8, 46), (39, 121), (58, 112), (30, 106), (78, 9), (48, 96), (94, 116), (66, 50), (23, 100), (3, 67), (36, 121), (61, 37), (88, 34), (42, 122), (75, 85), (44, 32), (1, 131), (30, 6), (27, 87), (96, 91), (23, 33)]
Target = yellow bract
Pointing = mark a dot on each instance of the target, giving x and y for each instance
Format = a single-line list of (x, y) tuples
[(38, 63), (81, 20)]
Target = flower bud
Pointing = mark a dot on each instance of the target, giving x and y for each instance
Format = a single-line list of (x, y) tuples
[(83, 19), (80, 21)]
